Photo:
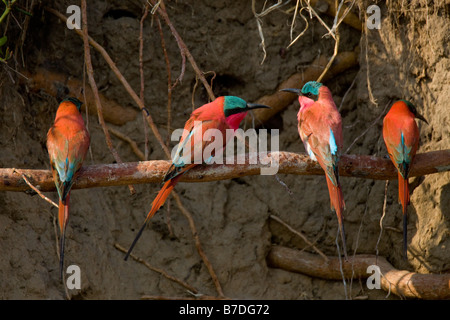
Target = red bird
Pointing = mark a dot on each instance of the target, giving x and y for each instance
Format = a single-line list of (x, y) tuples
[(320, 128), (67, 144), (401, 136), (222, 114)]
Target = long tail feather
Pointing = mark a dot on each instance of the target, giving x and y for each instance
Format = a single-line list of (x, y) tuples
[(403, 195), (61, 254), (63, 217), (338, 205), (156, 205)]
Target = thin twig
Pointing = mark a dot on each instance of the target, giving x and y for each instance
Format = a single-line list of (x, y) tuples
[(258, 17), (169, 108), (301, 235), (23, 34), (34, 188), (293, 20), (179, 41), (330, 62), (357, 241), (90, 73), (330, 32), (368, 127), (346, 12), (183, 48), (285, 186), (212, 78), (340, 264), (292, 25), (335, 21), (169, 80), (381, 219), (130, 141), (334, 33), (86, 110), (168, 219), (141, 72), (160, 271), (196, 85), (366, 42), (198, 245), (261, 34), (393, 229), (346, 92), (193, 93)]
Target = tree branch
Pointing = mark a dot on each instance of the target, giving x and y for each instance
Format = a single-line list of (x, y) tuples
[(106, 175), (402, 283)]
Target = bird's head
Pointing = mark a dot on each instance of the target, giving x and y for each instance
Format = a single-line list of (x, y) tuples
[(413, 110), (75, 101), (235, 109), (234, 105), (309, 90)]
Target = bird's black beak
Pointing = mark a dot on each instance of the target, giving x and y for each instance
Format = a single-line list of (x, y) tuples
[(292, 90), (251, 106), (421, 117)]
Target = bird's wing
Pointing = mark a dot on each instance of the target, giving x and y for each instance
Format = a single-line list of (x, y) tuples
[(401, 139), (66, 157), (304, 136), (200, 143), (323, 137)]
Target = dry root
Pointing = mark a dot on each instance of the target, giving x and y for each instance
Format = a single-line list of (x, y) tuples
[(402, 283)]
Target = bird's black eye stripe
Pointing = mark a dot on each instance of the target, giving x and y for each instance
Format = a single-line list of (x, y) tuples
[(229, 112)]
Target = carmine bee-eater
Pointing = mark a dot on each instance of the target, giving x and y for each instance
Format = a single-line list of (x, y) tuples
[(401, 136), (67, 144), (320, 128), (224, 113)]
